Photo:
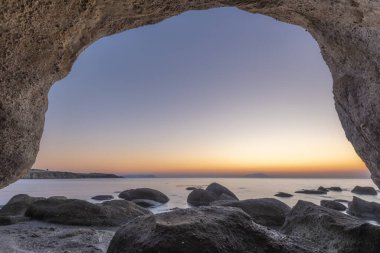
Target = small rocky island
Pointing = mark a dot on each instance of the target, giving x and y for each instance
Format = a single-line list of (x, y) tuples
[(46, 174)]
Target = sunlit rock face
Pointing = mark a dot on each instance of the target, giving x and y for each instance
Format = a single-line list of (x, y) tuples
[(40, 40)]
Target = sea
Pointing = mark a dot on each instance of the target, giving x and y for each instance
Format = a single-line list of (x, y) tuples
[(175, 188)]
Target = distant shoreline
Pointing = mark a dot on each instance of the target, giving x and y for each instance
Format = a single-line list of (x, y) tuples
[(46, 174)]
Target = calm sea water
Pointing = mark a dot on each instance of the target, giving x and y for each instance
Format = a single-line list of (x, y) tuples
[(244, 188)]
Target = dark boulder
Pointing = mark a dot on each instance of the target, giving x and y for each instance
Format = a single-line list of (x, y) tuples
[(283, 195), (333, 231), (191, 188), (14, 211), (201, 230), (218, 190), (144, 193), (18, 205), (213, 192), (364, 209), (80, 212), (333, 205), (364, 190), (321, 188), (318, 192), (102, 197), (200, 197), (335, 189), (265, 211)]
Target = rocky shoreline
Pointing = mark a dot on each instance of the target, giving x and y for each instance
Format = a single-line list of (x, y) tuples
[(216, 222)]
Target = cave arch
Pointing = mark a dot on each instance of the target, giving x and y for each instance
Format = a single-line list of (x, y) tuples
[(40, 41)]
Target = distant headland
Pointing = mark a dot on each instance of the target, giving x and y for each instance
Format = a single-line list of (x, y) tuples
[(46, 174)]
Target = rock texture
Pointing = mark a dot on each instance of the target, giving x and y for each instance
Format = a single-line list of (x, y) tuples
[(364, 190), (265, 211), (335, 205), (80, 212), (201, 230), (144, 194), (364, 209), (333, 231), (40, 40), (41, 237), (214, 192)]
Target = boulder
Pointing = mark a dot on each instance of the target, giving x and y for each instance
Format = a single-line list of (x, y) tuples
[(333, 231), (364, 209), (321, 188), (201, 230), (333, 205), (265, 211), (335, 189), (364, 190), (200, 197), (18, 205), (191, 188), (213, 192), (57, 197), (144, 193), (218, 190), (102, 197), (13, 212), (311, 192), (283, 195), (80, 212)]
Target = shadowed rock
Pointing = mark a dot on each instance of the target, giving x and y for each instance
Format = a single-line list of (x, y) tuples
[(13, 212), (102, 197), (220, 191), (333, 205), (335, 189), (80, 212), (201, 230), (283, 195), (144, 193), (317, 192), (333, 231), (364, 190), (265, 211), (214, 192), (364, 209)]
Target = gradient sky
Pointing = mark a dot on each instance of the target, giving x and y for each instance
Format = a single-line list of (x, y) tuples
[(204, 92)]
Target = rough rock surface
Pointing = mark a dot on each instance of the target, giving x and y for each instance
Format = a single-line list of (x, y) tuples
[(214, 192), (144, 193), (333, 231), (14, 211), (364, 209), (265, 211), (333, 205), (364, 190), (80, 212), (40, 40), (201, 230), (41, 237)]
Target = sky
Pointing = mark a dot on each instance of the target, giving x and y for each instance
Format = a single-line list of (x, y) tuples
[(210, 92)]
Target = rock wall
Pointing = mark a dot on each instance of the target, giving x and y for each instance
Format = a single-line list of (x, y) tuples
[(40, 40)]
